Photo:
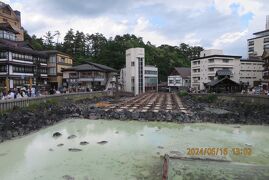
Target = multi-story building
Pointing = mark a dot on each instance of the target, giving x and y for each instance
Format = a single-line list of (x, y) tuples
[(136, 77), (257, 44), (20, 65), (56, 63), (251, 71), (91, 75), (179, 78), (265, 57), (204, 68), (13, 18)]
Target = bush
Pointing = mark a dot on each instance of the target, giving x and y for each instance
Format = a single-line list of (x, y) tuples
[(182, 93), (210, 98)]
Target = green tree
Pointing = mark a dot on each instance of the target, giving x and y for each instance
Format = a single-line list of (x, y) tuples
[(48, 40), (68, 44)]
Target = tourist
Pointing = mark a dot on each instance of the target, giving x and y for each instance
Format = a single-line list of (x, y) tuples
[(19, 94), (51, 91), (57, 92), (11, 95), (33, 92)]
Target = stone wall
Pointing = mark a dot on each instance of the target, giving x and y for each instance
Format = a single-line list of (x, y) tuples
[(252, 99)]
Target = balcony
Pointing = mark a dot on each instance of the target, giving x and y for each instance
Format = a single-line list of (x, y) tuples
[(266, 40), (220, 65), (251, 43), (91, 79)]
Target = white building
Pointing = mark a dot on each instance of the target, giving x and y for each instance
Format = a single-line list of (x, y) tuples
[(251, 71), (257, 44), (136, 77), (180, 77), (204, 68)]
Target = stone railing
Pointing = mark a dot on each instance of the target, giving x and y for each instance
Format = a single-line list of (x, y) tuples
[(6, 105)]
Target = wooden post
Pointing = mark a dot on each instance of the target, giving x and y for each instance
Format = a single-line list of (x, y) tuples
[(30, 82), (7, 84), (117, 87)]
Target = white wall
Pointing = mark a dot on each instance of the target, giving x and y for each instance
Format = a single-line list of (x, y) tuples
[(251, 71), (211, 52), (208, 68), (132, 55)]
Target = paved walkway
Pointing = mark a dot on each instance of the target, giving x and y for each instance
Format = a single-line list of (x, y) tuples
[(154, 102)]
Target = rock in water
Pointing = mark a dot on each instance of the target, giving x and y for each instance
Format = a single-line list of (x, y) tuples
[(74, 149), (71, 136), (67, 177), (83, 143), (56, 134), (160, 147), (50, 149), (59, 145), (176, 153), (102, 142)]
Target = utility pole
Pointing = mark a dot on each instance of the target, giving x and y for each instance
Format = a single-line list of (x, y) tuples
[(117, 87)]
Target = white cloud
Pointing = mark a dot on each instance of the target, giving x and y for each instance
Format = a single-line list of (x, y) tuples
[(142, 28), (228, 38), (192, 39), (209, 23)]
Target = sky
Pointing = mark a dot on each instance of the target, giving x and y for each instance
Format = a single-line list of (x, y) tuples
[(218, 24)]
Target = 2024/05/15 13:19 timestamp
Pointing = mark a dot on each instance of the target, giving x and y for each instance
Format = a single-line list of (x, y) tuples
[(213, 151)]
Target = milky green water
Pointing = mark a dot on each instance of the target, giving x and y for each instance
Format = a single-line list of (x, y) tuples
[(133, 150)]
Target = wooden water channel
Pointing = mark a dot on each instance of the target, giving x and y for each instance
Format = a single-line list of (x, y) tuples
[(154, 102)]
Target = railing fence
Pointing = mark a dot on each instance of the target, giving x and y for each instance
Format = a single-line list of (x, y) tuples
[(6, 105)]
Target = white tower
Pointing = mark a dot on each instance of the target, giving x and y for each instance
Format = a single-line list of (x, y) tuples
[(135, 65)]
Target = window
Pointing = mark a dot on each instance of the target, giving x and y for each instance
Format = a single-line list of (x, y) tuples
[(43, 70), (210, 69), (196, 62), (52, 59), (3, 55), (150, 72), (196, 70), (225, 60), (266, 40), (7, 35), (3, 68), (7, 11), (251, 49), (43, 60), (140, 75), (52, 71), (251, 43), (211, 78), (211, 60), (266, 46), (132, 63), (23, 69), (61, 59)]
